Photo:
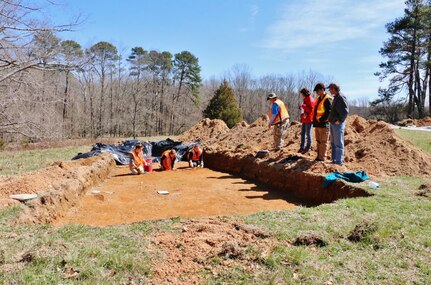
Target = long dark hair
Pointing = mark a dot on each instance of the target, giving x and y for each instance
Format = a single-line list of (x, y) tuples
[(305, 91)]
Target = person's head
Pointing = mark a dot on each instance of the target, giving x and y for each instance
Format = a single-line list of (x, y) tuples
[(196, 146), (334, 88), (173, 153), (138, 145), (271, 97), (319, 88), (304, 92)]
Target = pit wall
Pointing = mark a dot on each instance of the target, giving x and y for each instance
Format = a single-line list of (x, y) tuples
[(306, 187), (67, 191)]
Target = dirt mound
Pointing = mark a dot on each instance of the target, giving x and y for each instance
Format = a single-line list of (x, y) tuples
[(423, 122), (310, 239), (59, 187), (362, 231), (204, 130), (424, 190), (369, 145), (43, 179), (208, 245)]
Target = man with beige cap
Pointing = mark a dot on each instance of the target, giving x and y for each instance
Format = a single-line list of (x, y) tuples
[(279, 118)]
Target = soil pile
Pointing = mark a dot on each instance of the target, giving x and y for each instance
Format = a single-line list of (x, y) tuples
[(209, 245), (423, 122), (369, 145), (68, 178), (205, 130)]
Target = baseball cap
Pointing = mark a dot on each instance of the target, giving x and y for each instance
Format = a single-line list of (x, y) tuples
[(319, 86)]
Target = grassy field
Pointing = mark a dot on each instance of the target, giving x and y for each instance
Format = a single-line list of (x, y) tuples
[(394, 246), (420, 138), (22, 161), (17, 162)]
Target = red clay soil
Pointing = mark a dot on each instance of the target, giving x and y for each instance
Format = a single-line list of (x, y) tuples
[(369, 145), (59, 187), (188, 257), (197, 192), (423, 122)]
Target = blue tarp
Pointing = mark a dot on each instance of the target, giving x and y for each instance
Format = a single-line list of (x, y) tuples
[(354, 177), (122, 151)]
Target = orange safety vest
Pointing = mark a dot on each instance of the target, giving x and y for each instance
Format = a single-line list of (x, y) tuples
[(196, 153), (167, 162), (282, 115), (137, 158), (320, 106)]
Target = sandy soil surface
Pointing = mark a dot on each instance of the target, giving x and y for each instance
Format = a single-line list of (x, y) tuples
[(197, 192)]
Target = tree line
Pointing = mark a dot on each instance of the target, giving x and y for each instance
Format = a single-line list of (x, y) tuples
[(407, 66), (54, 88)]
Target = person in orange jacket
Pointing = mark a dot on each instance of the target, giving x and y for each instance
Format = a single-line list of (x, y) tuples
[(167, 160), (195, 156), (137, 162)]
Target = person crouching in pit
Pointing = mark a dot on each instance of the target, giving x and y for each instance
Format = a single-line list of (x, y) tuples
[(167, 160), (195, 156), (137, 161)]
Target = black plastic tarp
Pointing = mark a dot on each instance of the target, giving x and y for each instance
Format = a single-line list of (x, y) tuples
[(154, 150)]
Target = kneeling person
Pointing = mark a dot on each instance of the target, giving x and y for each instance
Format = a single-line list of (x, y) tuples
[(168, 159), (195, 156), (137, 161)]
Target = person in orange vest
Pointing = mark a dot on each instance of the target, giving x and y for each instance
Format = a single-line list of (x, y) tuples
[(279, 118), (322, 108), (137, 162), (195, 156), (167, 160)]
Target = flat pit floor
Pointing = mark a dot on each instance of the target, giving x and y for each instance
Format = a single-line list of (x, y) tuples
[(198, 192)]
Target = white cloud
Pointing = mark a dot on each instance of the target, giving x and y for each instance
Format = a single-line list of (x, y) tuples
[(309, 23), (254, 10)]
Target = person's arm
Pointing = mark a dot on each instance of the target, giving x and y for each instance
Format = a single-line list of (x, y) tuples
[(342, 109), (173, 162), (327, 105), (274, 113)]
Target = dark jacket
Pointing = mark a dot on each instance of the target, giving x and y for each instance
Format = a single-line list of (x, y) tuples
[(323, 122), (339, 110)]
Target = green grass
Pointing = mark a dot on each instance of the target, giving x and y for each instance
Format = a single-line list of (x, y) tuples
[(396, 251), (421, 139), (17, 162)]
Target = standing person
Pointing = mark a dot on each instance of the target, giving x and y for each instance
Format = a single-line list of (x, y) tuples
[(195, 156), (168, 159), (137, 161), (322, 107), (279, 118), (337, 120), (306, 108)]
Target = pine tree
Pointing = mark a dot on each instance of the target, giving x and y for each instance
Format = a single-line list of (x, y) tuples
[(408, 55), (224, 106)]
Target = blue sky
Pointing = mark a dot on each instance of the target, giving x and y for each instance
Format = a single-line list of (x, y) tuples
[(338, 38)]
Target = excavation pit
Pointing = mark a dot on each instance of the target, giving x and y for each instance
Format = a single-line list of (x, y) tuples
[(198, 192)]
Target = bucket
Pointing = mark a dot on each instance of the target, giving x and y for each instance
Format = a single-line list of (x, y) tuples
[(149, 166)]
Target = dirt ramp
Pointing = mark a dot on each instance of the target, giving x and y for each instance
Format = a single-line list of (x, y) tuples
[(59, 190), (290, 178)]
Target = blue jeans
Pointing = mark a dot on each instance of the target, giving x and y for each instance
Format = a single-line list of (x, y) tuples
[(306, 133), (337, 142)]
